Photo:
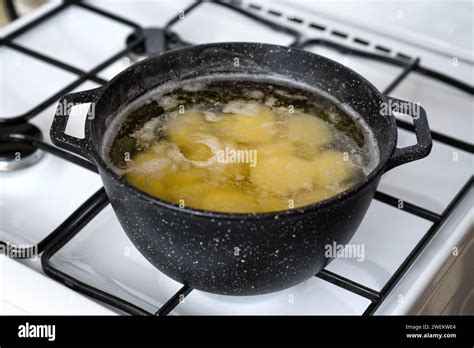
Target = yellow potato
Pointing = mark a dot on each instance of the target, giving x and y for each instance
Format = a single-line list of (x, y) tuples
[(196, 151), (190, 195), (331, 169), (307, 152), (180, 128), (182, 177), (149, 184), (248, 128), (191, 132), (187, 185), (158, 189), (308, 130), (149, 165), (293, 167), (268, 202), (138, 180), (223, 169), (229, 200), (281, 148), (309, 197), (283, 174), (230, 172)]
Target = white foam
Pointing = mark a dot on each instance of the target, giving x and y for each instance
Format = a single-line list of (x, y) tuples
[(211, 116), (242, 107), (255, 94), (148, 133), (168, 102), (214, 145)]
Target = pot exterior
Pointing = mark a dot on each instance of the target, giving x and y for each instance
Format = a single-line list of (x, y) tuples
[(229, 253), (237, 256)]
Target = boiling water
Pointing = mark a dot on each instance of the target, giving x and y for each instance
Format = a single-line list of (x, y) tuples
[(240, 146)]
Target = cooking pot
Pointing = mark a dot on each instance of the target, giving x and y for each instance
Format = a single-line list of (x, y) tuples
[(230, 253)]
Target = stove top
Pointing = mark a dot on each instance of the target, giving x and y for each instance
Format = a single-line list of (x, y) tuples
[(58, 228)]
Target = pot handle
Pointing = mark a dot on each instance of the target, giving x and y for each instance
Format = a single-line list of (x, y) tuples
[(82, 147), (422, 130)]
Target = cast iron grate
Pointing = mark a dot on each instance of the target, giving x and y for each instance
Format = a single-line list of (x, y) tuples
[(58, 238)]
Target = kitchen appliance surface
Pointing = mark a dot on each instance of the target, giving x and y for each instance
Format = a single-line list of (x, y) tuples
[(72, 227)]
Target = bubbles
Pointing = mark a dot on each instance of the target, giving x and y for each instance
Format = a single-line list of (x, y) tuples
[(148, 133)]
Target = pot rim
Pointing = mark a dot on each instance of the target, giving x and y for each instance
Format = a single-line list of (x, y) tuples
[(324, 204)]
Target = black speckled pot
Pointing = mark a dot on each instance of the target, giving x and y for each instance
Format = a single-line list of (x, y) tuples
[(239, 254)]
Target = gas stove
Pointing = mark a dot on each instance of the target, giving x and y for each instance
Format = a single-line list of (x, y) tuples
[(64, 251)]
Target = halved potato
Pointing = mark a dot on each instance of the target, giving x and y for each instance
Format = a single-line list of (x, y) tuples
[(232, 173), (148, 183), (158, 189), (308, 130), (228, 200), (139, 180), (252, 126), (190, 195), (313, 196), (281, 148), (194, 151), (187, 185), (332, 168), (181, 128), (149, 165), (283, 174), (180, 177), (269, 202)]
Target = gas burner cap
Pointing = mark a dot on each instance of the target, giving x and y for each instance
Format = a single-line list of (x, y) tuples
[(154, 41), (18, 153)]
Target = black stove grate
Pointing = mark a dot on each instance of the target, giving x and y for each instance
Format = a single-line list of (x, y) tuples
[(58, 238)]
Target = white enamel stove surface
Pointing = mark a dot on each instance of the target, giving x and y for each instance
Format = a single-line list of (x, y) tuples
[(36, 200)]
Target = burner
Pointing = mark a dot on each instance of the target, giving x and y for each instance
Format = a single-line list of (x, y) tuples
[(154, 41), (17, 153)]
